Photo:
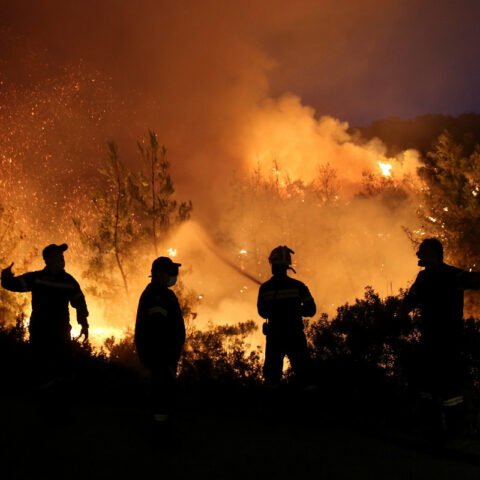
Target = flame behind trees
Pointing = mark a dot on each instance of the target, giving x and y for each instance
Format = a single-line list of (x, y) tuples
[(342, 243), (385, 168)]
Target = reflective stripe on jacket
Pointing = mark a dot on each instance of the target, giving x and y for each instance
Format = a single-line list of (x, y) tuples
[(284, 301)]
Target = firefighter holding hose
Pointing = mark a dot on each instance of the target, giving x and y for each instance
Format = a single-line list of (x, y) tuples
[(283, 302)]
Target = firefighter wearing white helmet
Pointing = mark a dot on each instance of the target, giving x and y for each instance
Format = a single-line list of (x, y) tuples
[(283, 302)]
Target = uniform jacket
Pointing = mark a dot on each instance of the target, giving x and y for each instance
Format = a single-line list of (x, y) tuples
[(51, 296), (159, 328), (284, 301), (438, 294)]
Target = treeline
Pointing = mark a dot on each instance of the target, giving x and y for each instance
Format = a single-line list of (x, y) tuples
[(123, 218), (365, 354), (421, 132)]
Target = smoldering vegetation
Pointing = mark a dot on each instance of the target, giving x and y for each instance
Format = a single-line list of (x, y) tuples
[(284, 176), (260, 169), (364, 349), (295, 179)]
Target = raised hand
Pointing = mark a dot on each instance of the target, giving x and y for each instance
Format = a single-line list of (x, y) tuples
[(7, 272)]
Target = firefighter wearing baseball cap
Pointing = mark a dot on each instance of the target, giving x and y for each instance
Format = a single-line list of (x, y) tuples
[(53, 290), (283, 302), (160, 335)]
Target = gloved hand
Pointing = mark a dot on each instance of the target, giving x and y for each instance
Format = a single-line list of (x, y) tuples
[(82, 320), (84, 333)]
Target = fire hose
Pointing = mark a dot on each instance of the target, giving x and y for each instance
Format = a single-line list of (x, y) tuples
[(214, 249)]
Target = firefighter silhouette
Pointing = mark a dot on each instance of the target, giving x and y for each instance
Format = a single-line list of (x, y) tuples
[(283, 302), (438, 295), (52, 289), (160, 335)]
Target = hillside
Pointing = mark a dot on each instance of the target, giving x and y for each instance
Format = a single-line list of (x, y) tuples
[(419, 133)]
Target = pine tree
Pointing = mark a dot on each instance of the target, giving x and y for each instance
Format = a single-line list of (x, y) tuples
[(130, 210), (114, 230), (153, 191)]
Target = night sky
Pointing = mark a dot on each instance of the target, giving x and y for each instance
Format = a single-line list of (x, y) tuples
[(358, 61)]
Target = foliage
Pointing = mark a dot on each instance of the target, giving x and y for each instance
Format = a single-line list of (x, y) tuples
[(10, 236), (362, 359), (372, 331), (153, 191), (283, 207), (221, 354), (132, 209), (392, 194), (451, 204), (122, 351), (112, 231), (365, 358), (14, 353)]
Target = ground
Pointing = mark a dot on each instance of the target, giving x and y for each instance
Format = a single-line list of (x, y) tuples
[(211, 439)]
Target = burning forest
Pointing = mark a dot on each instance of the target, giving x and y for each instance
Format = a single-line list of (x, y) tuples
[(231, 167), (244, 148), (351, 213), (305, 182)]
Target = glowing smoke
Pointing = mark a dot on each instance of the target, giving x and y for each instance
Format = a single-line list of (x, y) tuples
[(200, 78)]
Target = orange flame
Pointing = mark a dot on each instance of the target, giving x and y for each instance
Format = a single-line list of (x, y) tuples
[(385, 168)]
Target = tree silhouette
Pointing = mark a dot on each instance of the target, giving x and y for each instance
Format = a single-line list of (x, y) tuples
[(451, 200), (154, 192), (111, 230), (132, 208)]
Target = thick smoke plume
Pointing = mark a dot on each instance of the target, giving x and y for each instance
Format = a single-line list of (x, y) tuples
[(198, 73)]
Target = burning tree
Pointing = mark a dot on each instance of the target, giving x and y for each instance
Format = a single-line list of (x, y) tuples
[(273, 207), (392, 193), (343, 241)]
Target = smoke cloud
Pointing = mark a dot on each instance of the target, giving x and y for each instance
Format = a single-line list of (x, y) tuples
[(217, 82)]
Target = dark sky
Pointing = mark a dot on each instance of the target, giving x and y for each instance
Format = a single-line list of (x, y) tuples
[(385, 58), (358, 61)]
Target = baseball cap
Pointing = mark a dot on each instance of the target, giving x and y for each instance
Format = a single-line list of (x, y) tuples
[(165, 264), (53, 248)]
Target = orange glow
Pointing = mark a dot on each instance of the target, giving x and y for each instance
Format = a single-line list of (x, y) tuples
[(281, 145), (98, 334)]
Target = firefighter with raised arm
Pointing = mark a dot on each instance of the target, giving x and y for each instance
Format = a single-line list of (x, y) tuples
[(53, 290), (160, 335), (438, 295), (283, 302)]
